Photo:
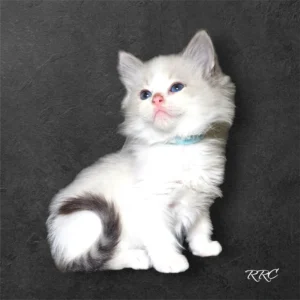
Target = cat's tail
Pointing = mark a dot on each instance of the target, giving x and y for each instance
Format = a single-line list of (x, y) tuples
[(83, 233)]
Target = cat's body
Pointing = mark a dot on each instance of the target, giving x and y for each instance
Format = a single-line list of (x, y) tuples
[(134, 207)]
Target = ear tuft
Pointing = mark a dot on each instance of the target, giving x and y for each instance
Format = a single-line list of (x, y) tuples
[(201, 50), (128, 68)]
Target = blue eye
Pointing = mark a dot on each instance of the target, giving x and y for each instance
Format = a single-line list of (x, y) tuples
[(145, 94), (176, 87)]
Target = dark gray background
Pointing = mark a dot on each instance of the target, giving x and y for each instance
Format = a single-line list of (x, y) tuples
[(60, 111)]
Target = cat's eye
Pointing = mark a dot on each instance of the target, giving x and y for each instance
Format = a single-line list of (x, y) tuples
[(176, 87), (145, 94)]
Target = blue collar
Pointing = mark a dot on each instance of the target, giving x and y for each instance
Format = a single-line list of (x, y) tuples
[(189, 140)]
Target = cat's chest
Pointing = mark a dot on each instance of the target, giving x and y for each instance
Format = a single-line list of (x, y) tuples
[(167, 162)]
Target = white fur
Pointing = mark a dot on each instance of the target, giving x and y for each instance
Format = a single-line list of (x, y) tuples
[(75, 234), (160, 190)]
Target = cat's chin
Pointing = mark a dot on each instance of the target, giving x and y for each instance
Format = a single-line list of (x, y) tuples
[(159, 114), (163, 121)]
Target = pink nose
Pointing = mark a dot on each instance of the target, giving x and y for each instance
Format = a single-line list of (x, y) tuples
[(158, 99)]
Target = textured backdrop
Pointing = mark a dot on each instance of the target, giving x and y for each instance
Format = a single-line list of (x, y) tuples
[(60, 111)]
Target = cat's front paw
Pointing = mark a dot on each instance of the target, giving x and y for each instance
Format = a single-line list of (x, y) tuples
[(172, 263), (207, 248), (139, 260)]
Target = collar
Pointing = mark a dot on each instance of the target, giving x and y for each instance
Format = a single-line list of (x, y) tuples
[(188, 140)]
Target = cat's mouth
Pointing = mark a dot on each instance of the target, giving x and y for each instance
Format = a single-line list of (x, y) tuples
[(161, 113)]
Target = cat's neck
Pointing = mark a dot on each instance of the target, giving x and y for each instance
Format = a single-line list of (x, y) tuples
[(216, 131)]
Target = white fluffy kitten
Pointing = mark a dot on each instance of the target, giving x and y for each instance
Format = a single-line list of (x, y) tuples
[(132, 208)]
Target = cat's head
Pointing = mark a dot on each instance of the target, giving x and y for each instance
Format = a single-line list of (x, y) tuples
[(175, 95)]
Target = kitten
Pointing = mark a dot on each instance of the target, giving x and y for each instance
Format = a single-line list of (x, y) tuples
[(133, 208)]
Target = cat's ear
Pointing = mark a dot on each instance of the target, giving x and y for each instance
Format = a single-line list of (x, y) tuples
[(129, 67), (201, 50)]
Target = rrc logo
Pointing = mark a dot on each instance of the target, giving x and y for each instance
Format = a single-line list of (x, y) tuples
[(257, 275)]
